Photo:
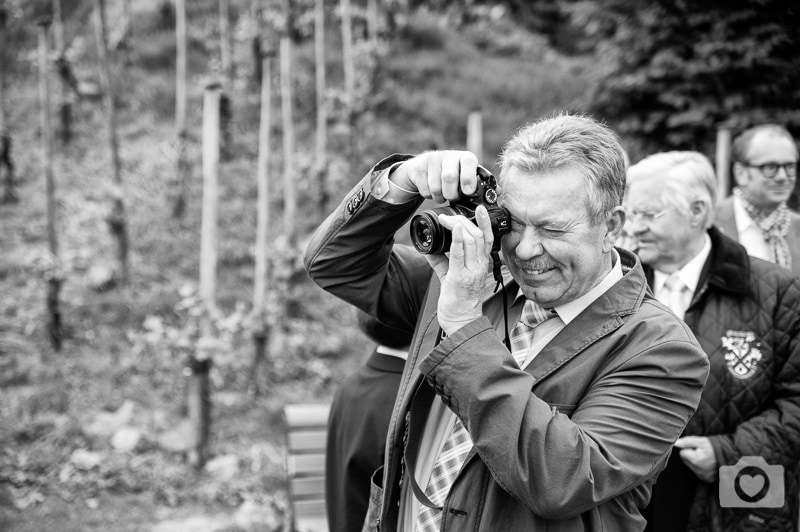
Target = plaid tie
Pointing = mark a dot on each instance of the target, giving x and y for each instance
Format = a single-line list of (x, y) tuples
[(522, 335), (457, 446)]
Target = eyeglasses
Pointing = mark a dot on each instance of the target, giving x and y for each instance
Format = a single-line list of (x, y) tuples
[(770, 170), (635, 216)]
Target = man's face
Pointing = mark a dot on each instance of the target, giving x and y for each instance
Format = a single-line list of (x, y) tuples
[(662, 234), (763, 192), (554, 251)]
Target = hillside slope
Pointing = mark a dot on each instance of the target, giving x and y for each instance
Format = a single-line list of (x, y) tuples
[(123, 344)]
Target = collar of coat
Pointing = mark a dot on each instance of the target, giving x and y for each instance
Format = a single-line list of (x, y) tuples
[(727, 267)]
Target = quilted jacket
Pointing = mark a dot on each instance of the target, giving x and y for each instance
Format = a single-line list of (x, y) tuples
[(746, 316)]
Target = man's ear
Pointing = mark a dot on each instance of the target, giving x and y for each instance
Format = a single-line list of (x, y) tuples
[(740, 174), (698, 212), (614, 224)]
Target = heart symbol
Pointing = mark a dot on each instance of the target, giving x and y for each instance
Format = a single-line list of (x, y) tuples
[(751, 484)]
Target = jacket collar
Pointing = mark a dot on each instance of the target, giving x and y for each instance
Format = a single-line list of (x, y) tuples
[(606, 314), (727, 267)]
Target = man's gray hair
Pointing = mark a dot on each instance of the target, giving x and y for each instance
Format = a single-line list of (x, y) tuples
[(571, 141), (687, 175)]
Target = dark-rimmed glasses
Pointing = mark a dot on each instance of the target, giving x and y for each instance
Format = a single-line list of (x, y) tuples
[(770, 170)]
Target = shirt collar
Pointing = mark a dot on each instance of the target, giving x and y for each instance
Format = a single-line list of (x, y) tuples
[(740, 216), (569, 311), (690, 272)]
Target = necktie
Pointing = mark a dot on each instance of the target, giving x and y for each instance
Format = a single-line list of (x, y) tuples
[(522, 334), (457, 446), (677, 294)]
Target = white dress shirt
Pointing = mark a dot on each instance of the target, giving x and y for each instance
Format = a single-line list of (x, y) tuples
[(689, 274), (750, 234)]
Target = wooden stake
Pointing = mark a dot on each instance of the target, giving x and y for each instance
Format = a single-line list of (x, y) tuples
[(116, 220), (182, 165), (723, 162), (208, 228), (64, 105), (54, 280), (372, 20), (199, 389), (9, 191), (322, 111), (289, 183), (261, 276), (225, 42), (475, 134), (347, 54), (262, 265)]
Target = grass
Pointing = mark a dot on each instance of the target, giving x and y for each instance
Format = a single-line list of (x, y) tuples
[(427, 80)]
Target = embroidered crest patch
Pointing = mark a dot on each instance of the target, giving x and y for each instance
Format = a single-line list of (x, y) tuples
[(742, 353)]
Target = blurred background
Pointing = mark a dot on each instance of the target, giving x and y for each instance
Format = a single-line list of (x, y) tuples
[(163, 163)]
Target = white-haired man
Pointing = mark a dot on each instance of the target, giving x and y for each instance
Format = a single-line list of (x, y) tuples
[(746, 314)]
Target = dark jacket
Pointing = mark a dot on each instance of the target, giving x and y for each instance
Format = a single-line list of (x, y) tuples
[(571, 443), (356, 441), (746, 316)]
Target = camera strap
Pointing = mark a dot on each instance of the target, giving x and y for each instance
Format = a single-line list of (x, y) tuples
[(498, 276)]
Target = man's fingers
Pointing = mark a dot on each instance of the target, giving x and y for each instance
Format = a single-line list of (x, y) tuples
[(688, 442), (485, 225), (440, 175), (688, 455), (434, 177), (468, 244), (450, 180), (468, 175), (467, 237)]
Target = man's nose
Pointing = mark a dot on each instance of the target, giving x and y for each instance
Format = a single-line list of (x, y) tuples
[(782, 173), (635, 224), (530, 245)]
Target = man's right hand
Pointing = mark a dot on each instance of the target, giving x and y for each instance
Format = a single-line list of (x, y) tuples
[(438, 175)]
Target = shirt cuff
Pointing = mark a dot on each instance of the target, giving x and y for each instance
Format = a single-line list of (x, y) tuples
[(386, 190)]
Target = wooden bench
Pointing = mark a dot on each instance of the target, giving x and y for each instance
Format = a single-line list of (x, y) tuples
[(306, 430)]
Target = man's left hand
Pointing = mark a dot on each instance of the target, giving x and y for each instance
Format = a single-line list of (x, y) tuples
[(464, 273), (698, 455)]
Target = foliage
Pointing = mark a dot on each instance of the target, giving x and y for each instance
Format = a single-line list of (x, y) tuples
[(671, 72), (132, 344)]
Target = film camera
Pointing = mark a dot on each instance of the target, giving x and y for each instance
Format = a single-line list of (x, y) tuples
[(430, 237)]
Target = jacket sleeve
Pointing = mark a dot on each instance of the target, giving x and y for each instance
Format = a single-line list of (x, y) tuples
[(774, 433), (353, 255), (560, 466)]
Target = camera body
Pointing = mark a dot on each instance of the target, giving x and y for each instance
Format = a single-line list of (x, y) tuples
[(430, 237)]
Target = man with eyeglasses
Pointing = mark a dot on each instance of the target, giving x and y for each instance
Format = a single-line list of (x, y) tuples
[(745, 312), (765, 168)]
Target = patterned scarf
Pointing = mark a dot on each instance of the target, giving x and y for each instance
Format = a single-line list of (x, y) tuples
[(774, 226)]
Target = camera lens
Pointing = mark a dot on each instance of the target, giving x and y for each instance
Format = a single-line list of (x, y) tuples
[(428, 235)]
